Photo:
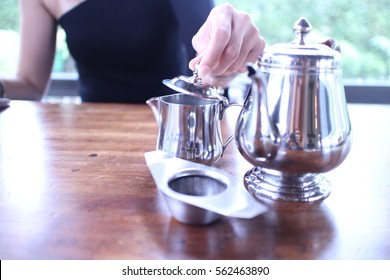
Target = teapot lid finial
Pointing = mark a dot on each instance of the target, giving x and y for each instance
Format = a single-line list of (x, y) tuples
[(301, 28), (301, 54)]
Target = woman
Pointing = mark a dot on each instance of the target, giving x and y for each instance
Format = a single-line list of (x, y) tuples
[(124, 48)]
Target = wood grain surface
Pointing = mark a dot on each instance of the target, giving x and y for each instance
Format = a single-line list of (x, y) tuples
[(74, 185)]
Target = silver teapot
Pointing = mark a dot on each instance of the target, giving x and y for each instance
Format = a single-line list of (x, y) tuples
[(294, 125)]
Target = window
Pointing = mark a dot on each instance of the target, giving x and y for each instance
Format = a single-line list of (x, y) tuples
[(9, 37), (360, 26)]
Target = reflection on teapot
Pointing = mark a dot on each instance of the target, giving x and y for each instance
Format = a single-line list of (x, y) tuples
[(189, 126), (294, 124)]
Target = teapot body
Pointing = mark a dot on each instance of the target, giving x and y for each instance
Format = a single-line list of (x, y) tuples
[(294, 121), (294, 124)]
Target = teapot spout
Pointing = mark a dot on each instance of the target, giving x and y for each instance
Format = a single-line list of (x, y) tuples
[(258, 136), (154, 105)]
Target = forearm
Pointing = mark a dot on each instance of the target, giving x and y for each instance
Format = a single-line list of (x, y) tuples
[(37, 47), (17, 88)]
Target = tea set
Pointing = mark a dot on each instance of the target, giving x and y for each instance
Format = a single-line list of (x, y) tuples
[(293, 127)]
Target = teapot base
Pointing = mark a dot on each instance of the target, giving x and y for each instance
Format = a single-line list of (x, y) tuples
[(267, 184)]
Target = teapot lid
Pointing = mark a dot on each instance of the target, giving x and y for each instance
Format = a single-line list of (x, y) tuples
[(299, 53)]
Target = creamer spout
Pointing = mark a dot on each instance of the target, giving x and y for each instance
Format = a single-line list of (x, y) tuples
[(154, 105)]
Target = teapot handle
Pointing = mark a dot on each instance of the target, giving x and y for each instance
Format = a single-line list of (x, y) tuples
[(331, 43)]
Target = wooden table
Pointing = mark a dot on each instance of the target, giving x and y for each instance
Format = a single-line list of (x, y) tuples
[(74, 185)]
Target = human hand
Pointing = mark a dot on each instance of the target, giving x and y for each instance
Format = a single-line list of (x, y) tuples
[(226, 42)]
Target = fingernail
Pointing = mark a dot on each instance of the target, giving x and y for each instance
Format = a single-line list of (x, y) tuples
[(192, 64)]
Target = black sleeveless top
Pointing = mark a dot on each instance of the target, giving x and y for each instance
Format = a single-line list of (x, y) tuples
[(124, 48)]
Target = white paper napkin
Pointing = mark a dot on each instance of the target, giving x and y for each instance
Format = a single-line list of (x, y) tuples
[(234, 201)]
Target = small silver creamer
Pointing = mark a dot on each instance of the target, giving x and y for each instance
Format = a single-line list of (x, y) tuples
[(189, 126)]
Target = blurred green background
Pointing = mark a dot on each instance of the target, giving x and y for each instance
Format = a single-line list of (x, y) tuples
[(361, 27)]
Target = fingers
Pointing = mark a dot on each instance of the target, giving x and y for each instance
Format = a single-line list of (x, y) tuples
[(226, 42), (250, 48), (220, 36), (212, 39)]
